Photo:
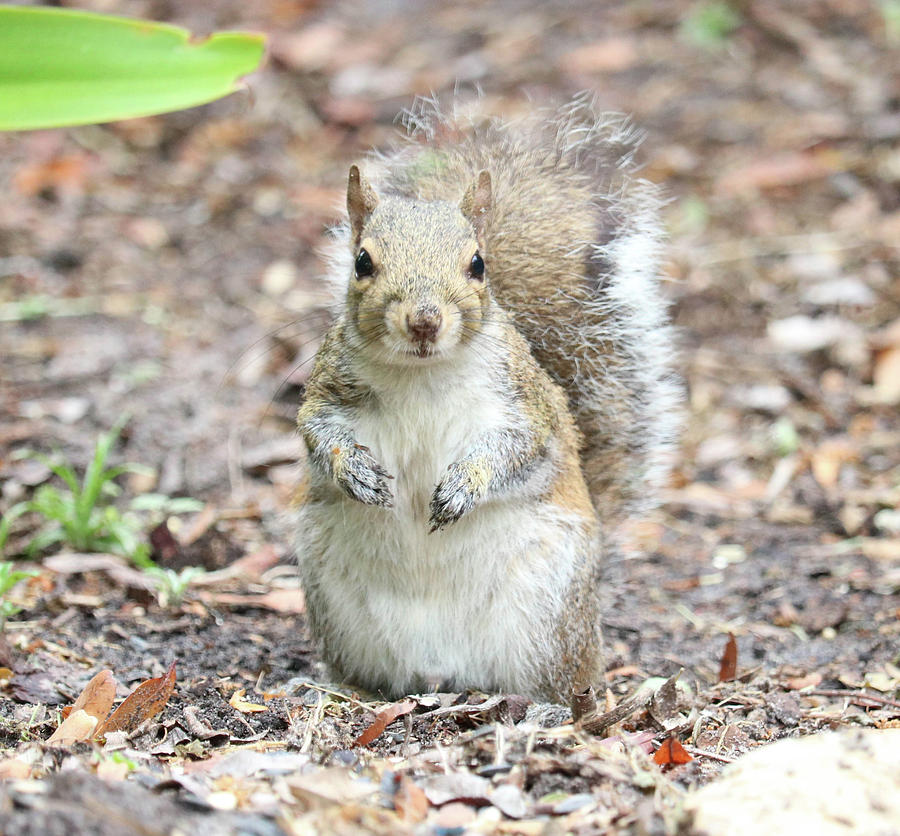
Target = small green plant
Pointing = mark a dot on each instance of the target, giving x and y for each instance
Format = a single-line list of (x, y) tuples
[(9, 577), (80, 514), (785, 438), (114, 757), (708, 25), (171, 585), (890, 13)]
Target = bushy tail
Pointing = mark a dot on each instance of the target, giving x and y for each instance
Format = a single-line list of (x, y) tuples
[(572, 251)]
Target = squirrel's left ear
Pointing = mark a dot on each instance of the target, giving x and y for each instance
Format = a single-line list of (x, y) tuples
[(477, 203), (361, 202)]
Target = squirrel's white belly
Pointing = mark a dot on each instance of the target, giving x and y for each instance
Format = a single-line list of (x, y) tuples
[(462, 604)]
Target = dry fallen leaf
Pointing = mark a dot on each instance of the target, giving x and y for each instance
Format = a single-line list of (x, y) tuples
[(67, 172), (97, 697), (410, 802), (829, 457), (382, 720), (144, 702), (886, 376), (15, 769), (728, 665), (798, 683), (611, 55), (881, 548), (671, 753), (671, 703), (457, 786), (238, 702), (279, 600), (77, 727), (330, 785), (110, 770), (774, 171)]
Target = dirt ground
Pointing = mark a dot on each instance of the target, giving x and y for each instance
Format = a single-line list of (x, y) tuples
[(166, 268)]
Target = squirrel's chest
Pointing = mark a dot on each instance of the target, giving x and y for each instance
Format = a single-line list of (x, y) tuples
[(417, 433)]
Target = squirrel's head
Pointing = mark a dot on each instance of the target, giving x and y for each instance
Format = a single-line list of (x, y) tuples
[(419, 285)]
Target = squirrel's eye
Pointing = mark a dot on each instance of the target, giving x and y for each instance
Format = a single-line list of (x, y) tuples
[(476, 268), (364, 266)]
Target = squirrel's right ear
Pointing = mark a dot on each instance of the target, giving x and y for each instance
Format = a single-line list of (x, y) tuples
[(361, 201), (477, 203)]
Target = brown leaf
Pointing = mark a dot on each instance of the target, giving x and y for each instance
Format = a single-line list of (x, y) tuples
[(886, 376), (382, 720), (15, 769), (97, 697), (668, 704), (165, 547), (144, 702), (199, 525), (279, 600), (798, 683), (728, 665), (332, 784), (78, 726), (611, 55), (829, 457), (410, 801), (110, 770), (776, 170), (671, 753), (457, 786), (67, 172)]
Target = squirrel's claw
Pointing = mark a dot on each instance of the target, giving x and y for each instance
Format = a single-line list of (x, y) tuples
[(361, 477), (452, 498)]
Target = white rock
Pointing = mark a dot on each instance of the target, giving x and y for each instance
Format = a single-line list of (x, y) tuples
[(888, 520), (763, 397), (279, 277), (848, 290), (843, 783), (804, 334)]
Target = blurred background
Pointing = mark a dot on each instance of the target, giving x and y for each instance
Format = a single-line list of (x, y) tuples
[(167, 267)]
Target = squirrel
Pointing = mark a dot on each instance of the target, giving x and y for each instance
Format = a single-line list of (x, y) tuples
[(495, 399)]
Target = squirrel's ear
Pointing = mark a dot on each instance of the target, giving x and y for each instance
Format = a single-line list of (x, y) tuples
[(477, 202), (361, 201)]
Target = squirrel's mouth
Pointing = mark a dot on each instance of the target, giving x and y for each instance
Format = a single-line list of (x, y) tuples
[(420, 353)]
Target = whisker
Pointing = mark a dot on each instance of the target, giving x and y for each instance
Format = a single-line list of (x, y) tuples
[(268, 336)]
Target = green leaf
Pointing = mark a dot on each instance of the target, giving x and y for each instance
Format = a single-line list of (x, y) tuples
[(67, 67), (95, 475), (709, 24)]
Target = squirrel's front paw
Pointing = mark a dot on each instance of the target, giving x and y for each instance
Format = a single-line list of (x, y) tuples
[(361, 477), (464, 484)]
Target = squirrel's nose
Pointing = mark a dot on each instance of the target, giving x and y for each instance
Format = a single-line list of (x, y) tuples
[(424, 326)]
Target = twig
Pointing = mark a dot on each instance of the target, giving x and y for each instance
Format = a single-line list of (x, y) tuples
[(596, 723), (583, 703), (855, 695), (693, 750), (345, 697)]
